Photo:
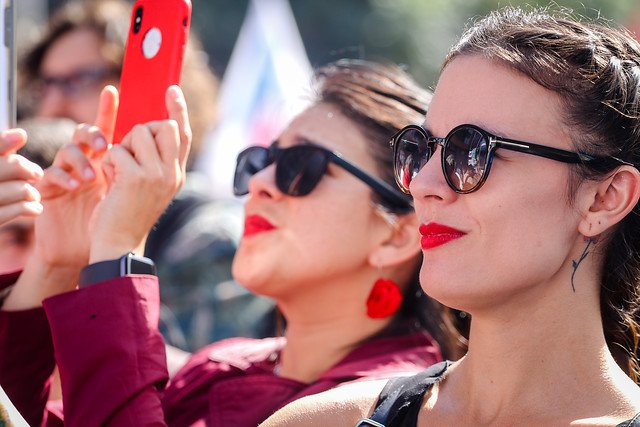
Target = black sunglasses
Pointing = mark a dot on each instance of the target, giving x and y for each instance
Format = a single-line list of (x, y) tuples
[(467, 154), (299, 169)]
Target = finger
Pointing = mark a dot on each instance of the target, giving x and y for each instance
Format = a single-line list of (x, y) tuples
[(91, 140), (56, 180), (177, 109), (144, 148), (15, 167), (11, 140), (15, 210), (167, 140), (72, 159), (107, 111), (18, 191), (121, 161)]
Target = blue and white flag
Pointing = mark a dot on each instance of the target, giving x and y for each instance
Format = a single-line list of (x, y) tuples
[(265, 85)]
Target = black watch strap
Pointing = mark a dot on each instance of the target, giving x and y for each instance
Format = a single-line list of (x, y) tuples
[(110, 269)]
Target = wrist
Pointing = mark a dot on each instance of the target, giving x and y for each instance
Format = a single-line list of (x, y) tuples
[(39, 281), (105, 250), (113, 268)]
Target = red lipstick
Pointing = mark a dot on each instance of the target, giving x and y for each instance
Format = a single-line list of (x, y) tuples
[(434, 234), (254, 224)]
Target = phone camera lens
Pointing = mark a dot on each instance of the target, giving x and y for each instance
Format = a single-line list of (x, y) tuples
[(137, 22)]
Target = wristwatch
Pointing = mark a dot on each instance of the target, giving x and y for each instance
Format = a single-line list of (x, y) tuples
[(110, 269)]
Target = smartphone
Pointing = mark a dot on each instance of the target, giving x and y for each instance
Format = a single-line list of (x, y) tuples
[(152, 61), (7, 65)]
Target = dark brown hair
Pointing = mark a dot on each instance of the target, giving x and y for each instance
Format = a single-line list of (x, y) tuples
[(595, 70), (381, 99)]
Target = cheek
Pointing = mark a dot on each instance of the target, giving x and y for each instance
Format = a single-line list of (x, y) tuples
[(516, 240), (314, 241)]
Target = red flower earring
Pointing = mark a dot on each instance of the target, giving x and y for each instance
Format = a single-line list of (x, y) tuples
[(384, 299)]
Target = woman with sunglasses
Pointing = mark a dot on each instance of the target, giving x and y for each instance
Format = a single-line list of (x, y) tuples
[(327, 235), (526, 185)]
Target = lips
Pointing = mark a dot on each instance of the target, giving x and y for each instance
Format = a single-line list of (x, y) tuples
[(434, 234), (255, 224)]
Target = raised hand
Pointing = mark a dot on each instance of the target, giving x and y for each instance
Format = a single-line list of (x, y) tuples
[(143, 173), (18, 196), (70, 190)]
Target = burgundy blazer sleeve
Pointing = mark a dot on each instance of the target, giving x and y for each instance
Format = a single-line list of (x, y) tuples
[(26, 362), (110, 354)]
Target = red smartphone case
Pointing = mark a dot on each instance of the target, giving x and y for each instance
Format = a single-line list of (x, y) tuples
[(152, 62)]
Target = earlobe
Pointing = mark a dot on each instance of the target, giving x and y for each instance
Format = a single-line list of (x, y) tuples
[(614, 198), (402, 244)]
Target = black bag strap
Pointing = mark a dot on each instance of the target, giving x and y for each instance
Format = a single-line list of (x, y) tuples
[(633, 422), (398, 394)]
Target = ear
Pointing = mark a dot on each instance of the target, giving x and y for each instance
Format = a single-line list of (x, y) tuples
[(401, 244), (611, 201)]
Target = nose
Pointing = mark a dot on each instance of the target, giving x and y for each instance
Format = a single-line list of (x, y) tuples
[(263, 184), (429, 183)]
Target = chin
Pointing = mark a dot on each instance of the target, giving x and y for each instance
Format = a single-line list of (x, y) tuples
[(446, 294), (252, 278)]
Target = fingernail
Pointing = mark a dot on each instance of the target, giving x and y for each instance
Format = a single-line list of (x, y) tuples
[(100, 143), (174, 91), (35, 207), (73, 183), (34, 194), (36, 169), (88, 173)]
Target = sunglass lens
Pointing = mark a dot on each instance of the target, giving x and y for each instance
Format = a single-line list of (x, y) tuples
[(465, 158), (299, 169), (249, 162), (411, 154)]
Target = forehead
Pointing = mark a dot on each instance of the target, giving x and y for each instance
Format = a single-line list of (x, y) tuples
[(74, 50), (323, 124), (479, 91)]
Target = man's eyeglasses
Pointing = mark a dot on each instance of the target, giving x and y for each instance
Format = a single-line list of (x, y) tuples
[(467, 154), (299, 169), (77, 82)]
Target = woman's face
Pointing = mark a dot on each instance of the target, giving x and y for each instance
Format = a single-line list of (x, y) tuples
[(293, 244), (518, 230), (73, 73)]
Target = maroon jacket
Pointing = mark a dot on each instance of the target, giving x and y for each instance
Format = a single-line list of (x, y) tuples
[(112, 364)]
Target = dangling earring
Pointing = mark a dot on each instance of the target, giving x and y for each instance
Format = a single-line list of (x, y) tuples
[(384, 299)]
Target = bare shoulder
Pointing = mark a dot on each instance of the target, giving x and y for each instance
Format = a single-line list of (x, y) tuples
[(341, 406)]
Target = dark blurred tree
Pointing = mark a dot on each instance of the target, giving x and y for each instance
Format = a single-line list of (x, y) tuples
[(420, 32), (417, 33)]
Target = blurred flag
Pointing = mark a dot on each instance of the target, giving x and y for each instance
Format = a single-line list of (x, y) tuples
[(265, 84)]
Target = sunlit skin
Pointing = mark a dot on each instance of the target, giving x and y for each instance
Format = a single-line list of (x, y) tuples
[(512, 269), (76, 50), (535, 344), (520, 231), (304, 255), (325, 249)]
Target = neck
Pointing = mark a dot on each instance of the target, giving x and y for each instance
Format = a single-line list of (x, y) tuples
[(324, 326), (536, 352)]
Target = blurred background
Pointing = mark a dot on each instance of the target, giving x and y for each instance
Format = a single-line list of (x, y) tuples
[(263, 52), (412, 32)]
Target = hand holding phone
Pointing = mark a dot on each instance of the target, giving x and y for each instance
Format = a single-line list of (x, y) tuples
[(152, 62)]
